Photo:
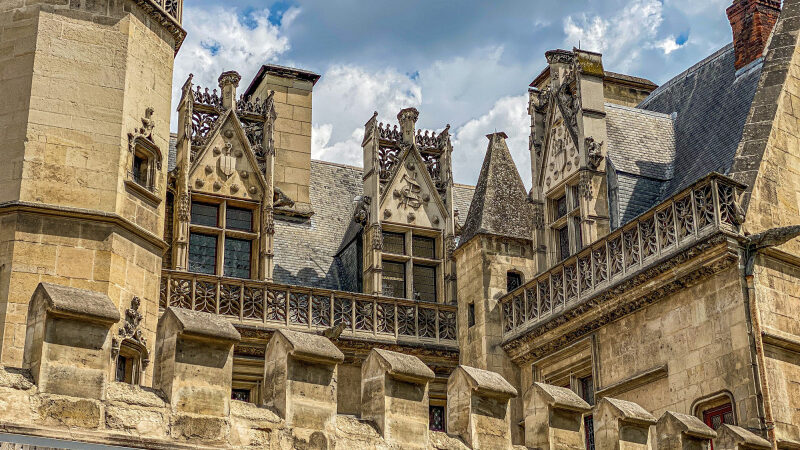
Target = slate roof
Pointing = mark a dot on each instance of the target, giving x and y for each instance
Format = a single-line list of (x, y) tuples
[(712, 100), (305, 250), (500, 204), (641, 148)]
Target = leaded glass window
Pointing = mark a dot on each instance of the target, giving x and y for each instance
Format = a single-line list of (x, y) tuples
[(237, 258), (563, 242), (394, 243), (394, 279), (715, 417), (202, 253), (425, 283), (436, 418), (560, 207), (513, 281), (205, 214), (239, 219), (424, 247)]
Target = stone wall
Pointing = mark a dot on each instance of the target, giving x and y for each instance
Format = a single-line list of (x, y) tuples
[(85, 73)]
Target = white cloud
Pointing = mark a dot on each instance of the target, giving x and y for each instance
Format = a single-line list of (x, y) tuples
[(347, 151), (218, 39), (510, 115), (668, 45), (619, 37)]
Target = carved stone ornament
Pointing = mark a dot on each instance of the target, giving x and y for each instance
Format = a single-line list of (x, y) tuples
[(183, 207), (594, 154), (230, 77), (268, 224), (377, 237), (559, 57), (227, 161), (129, 331), (145, 132), (279, 199), (369, 128), (450, 245), (585, 186), (361, 209), (537, 209), (409, 195)]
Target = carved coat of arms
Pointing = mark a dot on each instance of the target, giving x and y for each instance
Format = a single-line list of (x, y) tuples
[(227, 162)]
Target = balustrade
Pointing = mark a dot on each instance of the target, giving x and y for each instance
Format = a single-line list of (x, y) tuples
[(708, 206)]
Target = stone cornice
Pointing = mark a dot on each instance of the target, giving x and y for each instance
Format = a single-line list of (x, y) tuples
[(86, 214), (170, 23), (702, 260)]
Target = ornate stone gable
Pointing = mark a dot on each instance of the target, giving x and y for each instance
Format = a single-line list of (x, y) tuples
[(226, 165), (410, 195), (561, 158)]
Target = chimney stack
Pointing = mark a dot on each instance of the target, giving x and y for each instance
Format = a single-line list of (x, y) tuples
[(752, 22)]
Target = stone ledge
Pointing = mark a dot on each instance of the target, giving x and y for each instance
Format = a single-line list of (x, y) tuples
[(490, 384), (562, 398), (404, 367), (311, 347), (78, 303), (204, 325)]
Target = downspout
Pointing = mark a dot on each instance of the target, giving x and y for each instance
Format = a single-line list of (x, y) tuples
[(770, 238), (756, 350)]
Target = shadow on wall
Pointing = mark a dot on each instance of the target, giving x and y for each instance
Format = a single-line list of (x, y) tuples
[(307, 277)]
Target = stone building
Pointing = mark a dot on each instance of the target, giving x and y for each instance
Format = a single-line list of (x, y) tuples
[(219, 288)]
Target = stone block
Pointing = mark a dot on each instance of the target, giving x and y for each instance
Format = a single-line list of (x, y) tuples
[(676, 431), (194, 361), (622, 425), (394, 394), (731, 437), (478, 408), (300, 379), (69, 411), (554, 417), (67, 340)]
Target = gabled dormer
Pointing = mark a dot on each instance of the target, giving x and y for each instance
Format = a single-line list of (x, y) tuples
[(568, 153), (407, 210)]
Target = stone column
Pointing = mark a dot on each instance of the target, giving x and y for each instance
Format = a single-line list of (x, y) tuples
[(68, 340), (478, 408), (554, 418), (300, 379), (228, 82), (731, 437), (194, 361), (675, 431), (621, 425), (394, 394), (408, 120)]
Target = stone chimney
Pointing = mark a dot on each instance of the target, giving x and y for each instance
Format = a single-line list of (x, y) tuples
[(752, 22)]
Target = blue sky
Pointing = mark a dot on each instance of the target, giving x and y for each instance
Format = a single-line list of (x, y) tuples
[(467, 63)]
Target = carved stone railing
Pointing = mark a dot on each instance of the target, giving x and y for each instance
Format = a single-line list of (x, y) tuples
[(709, 206), (272, 305)]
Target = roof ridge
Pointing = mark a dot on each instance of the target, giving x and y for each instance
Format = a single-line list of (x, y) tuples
[(707, 60), (638, 110)]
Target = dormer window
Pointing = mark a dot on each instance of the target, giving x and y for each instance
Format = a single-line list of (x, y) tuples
[(565, 226), (411, 265), (145, 162)]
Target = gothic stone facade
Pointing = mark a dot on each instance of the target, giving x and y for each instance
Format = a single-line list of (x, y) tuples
[(219, 288)]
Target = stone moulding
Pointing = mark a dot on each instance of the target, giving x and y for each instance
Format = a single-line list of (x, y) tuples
[(155, 11), (630, 383), (688, 267)]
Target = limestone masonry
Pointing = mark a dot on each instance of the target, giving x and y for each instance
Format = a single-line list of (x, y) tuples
[(218, 288)]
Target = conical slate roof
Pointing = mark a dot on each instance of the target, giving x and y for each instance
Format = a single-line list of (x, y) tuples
[(500, 205)]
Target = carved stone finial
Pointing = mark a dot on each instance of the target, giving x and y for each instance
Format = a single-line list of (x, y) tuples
[(228, 82), (229, 77), (559, 57), (408, 120)]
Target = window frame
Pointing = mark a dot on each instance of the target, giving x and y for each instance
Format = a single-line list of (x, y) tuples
[(570, 221), (221, 231), (410, 261)]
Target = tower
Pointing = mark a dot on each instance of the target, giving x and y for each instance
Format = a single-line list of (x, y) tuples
[(495, 255), (84, 129)]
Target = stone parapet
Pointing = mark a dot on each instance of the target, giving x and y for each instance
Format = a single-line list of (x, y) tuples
[(478, 408), (394, 394), (194, 361), (622, 425), (67, 341), (676, 431), (554, 418), (300, 379)]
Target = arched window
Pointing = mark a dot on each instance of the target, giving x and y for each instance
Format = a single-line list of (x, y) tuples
[(513, 280), (129, 347)]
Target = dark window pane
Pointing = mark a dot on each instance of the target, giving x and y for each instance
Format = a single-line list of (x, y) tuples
[(587, 390), (575, 199), (237, 258), (436, 418), (563, 243), (561, 207), (513, 281), (578, 233), (140, 169), (204, 214), (588, 425), (239, 219), (240, 394), (715, 417), (394, 279), (425, 283), (424, 247), (122, 363), (394, 243), (471, 315), (202, 253)]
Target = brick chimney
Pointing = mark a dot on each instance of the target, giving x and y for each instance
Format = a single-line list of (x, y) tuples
[(752, 22)]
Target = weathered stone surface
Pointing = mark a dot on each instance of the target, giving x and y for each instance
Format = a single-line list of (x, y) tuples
[(676, 431), (622, 425), (554, 417), (311, 347), (66, 411), (478, 408), (205, 325), (138, 421), (79, 303), (731, 437), (203, 428), (403, 367)]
